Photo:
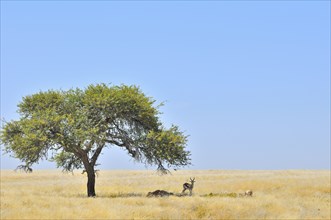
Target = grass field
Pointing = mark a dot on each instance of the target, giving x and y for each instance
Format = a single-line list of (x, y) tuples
[(290, 194)]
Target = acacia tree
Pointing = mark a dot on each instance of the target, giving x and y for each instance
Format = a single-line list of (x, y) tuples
[(73, 127)]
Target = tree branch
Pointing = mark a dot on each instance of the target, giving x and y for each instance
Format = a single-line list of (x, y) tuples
[(116, 143), (96, 155), (25, 168)]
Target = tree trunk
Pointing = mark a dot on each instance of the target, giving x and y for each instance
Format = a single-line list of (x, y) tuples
[(90, 182)]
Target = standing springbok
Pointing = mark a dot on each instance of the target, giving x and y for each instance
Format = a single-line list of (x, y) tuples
[(189, 186)]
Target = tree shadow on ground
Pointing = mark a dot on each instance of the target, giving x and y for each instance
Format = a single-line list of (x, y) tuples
[(109, 195), (127, 195), (120, 195), (133, 194)]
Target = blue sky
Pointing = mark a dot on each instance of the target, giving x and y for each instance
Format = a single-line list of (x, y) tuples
[(248, 81)]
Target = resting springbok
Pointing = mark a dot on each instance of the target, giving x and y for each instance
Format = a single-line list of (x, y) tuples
[(249, 193), (189, 186)]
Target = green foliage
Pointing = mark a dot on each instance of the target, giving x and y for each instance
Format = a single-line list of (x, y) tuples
[(68, 161), (166, 146), (74, 126)]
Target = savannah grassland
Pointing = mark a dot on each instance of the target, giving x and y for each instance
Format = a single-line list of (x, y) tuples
[(291, 194)]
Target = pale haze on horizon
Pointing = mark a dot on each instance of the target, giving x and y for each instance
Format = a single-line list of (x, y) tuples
[(249, 82)]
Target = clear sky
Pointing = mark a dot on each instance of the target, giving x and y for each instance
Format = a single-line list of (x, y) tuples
[(248, 81)]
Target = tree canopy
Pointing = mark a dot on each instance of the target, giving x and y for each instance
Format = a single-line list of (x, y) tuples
[(72, 127)]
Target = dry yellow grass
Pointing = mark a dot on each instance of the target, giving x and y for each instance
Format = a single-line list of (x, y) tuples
[(288, 194)]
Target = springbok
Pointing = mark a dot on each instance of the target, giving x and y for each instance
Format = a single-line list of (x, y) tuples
[(189, 186), (249, 193)]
